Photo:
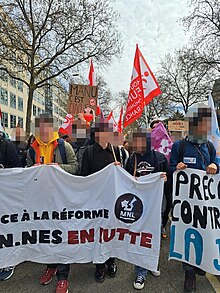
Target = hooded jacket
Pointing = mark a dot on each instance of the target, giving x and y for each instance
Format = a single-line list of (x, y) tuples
[(51, 154)]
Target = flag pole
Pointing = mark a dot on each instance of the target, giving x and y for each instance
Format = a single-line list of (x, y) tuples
[(145, 113)]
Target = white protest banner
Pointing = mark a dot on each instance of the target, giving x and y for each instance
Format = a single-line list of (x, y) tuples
[(50, 216), (195, 228)]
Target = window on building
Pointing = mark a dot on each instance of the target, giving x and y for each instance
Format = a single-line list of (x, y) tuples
[(12, 121), (20, 86), (20, 104), (3, 75), (39, 111), (13, 82), (12, 100), (34, 110), (5, 119), (4, 96), (21, 122), (55, 109)]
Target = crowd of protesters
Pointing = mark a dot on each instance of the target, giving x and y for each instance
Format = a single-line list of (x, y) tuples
[(90, 149)]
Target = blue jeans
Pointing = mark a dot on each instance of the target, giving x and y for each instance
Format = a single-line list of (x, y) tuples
[(139, 271)]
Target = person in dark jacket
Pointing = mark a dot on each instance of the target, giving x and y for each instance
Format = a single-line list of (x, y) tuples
[(8, 155), (195, 152), (20, 143), (8, 159), (81, 133), (95, 158), (144, 161)]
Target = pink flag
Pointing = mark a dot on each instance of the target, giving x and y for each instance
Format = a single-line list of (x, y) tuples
[(160, 140)]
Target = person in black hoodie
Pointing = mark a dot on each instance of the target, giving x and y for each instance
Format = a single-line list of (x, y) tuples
[(94, 159), (144, 161)]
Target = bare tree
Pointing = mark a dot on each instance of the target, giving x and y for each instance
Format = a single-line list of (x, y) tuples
[(204, 22), (184, 79), (42, 40), (105, 97)]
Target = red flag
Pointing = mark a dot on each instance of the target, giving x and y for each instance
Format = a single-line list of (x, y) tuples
[(143, 88), (149, 83), (112, 120), (110, 115), (120, 121), (91, 76), (66, 127), (92, 82), (98, 111)]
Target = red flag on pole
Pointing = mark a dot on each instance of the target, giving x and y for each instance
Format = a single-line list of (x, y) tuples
[(143, 88), (120, 125), (112, 120), (91, 76), (92, 82)]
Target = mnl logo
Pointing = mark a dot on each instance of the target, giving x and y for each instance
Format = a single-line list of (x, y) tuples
[(128, 208)]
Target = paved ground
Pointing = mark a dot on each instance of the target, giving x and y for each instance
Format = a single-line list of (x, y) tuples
[(26, 276)]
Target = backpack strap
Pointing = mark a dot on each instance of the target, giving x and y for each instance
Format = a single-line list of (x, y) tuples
[(90, 153), (32, 154), (210, 146), (182, 146), (61, 146)]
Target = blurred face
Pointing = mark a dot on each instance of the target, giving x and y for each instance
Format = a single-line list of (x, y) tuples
[(80, 131), (105, 137), (20, 135), (140, 141), (45, 131), (139, 144), (203, 128)]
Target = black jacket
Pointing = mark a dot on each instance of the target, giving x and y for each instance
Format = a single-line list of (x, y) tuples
[(8, 155), (95, 158), (149, 162)]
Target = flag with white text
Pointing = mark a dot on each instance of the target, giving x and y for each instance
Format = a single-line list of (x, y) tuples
[(143, 88)]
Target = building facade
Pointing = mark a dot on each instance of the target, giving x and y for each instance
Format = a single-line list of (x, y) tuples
[(13, 102)]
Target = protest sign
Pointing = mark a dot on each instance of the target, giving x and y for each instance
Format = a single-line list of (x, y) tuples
[(178, 125), (82, 99), (50, 216), (195, 228)]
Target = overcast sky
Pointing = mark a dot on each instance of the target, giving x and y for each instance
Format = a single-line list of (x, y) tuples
[(153, 25)]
